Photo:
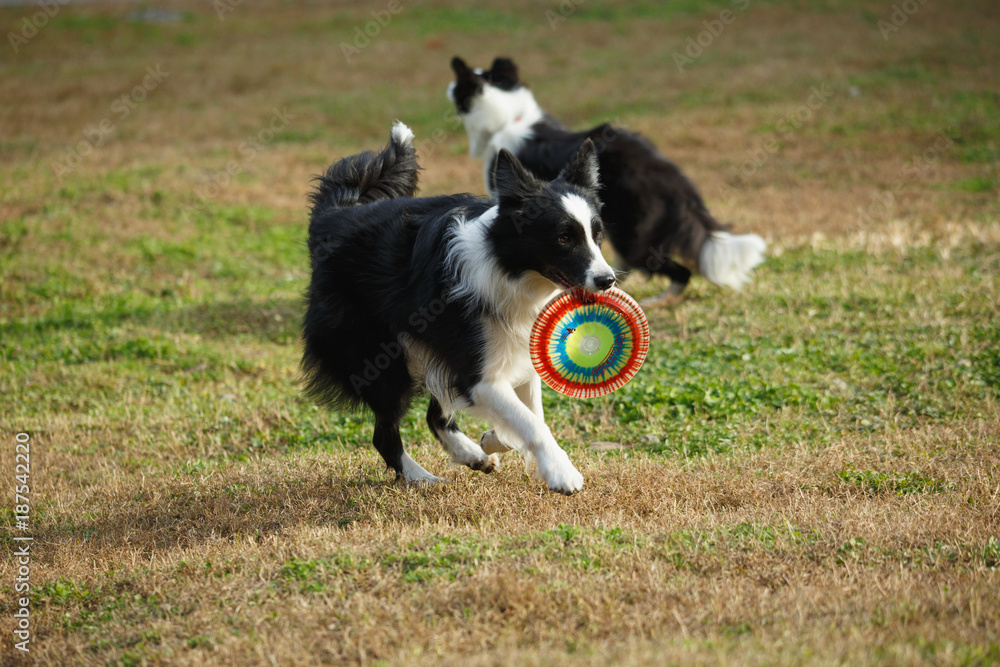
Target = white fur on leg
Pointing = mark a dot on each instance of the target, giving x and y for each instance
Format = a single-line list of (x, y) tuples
[(464, 451), (554, 467), (530, 394), (728, 260), (461, 449), (414, 473), (499, 403)]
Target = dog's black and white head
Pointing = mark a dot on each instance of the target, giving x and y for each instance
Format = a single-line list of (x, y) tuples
[(554, 229), (469, 83), (491, 101)]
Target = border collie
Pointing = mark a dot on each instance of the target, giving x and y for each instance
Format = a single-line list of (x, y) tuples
[(652, 211), (440, 293)]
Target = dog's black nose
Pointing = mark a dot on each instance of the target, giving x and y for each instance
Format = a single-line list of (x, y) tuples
[(604, 282)]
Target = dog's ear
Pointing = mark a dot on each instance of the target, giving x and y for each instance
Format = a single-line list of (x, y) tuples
[(462, 71), (512, 182), (504, 71), (582, 170)]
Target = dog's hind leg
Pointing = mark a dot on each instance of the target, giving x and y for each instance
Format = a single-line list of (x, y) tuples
[(388, 443), (389, 396), (679, 278), (460, 448)]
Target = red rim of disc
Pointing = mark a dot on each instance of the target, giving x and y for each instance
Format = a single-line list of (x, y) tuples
[(578, 304)]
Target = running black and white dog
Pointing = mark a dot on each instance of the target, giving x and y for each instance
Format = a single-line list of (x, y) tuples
[(441, 293), (653, 212)]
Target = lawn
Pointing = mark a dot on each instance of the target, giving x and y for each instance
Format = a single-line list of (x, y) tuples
[(807, 471)]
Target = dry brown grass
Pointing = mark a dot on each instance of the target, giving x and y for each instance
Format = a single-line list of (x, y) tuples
[(183, 515), (841, 574)]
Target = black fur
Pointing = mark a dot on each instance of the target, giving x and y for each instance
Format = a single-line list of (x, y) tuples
[(467, 84), (652, 211), (503, 74), (383, 281)]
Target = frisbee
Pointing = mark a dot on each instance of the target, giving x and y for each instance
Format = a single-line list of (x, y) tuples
[(586, 345)]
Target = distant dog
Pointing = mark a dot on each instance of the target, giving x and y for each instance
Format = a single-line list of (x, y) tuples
[(651, 209), (441, 293)]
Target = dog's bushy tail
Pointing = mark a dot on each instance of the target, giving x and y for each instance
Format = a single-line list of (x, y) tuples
[(370, 176), (727, 259)]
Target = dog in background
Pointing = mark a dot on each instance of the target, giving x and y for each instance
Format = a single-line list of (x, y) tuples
[(440, 293), (652, 211)]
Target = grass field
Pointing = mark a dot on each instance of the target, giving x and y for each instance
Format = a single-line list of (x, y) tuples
[(804, 472)]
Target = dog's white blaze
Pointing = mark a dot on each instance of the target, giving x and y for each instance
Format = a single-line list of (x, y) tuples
[(580, 210), (578, 207)]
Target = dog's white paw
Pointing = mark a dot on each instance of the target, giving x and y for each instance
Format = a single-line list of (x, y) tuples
[(491, 444), (429, 480), (415, 474), (489, 464), (559, 473)]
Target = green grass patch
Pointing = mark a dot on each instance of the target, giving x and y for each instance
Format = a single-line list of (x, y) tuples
[(893, 483), (976, 184)]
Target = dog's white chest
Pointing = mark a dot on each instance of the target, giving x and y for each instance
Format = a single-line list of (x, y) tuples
[(508, 359)]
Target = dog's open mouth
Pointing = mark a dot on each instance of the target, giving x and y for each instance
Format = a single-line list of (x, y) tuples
[(561, 278)]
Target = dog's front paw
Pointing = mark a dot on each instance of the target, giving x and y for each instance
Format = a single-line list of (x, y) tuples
[(487, 465), (559, 473)]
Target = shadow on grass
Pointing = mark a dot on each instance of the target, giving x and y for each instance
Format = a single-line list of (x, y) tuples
[(243, 505), (275, 321), (139, 332)]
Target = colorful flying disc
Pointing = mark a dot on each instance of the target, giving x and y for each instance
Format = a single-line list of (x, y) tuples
[(586, 345)]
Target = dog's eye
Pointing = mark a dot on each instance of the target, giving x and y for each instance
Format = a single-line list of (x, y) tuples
[(598, 238), (564, 239)]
